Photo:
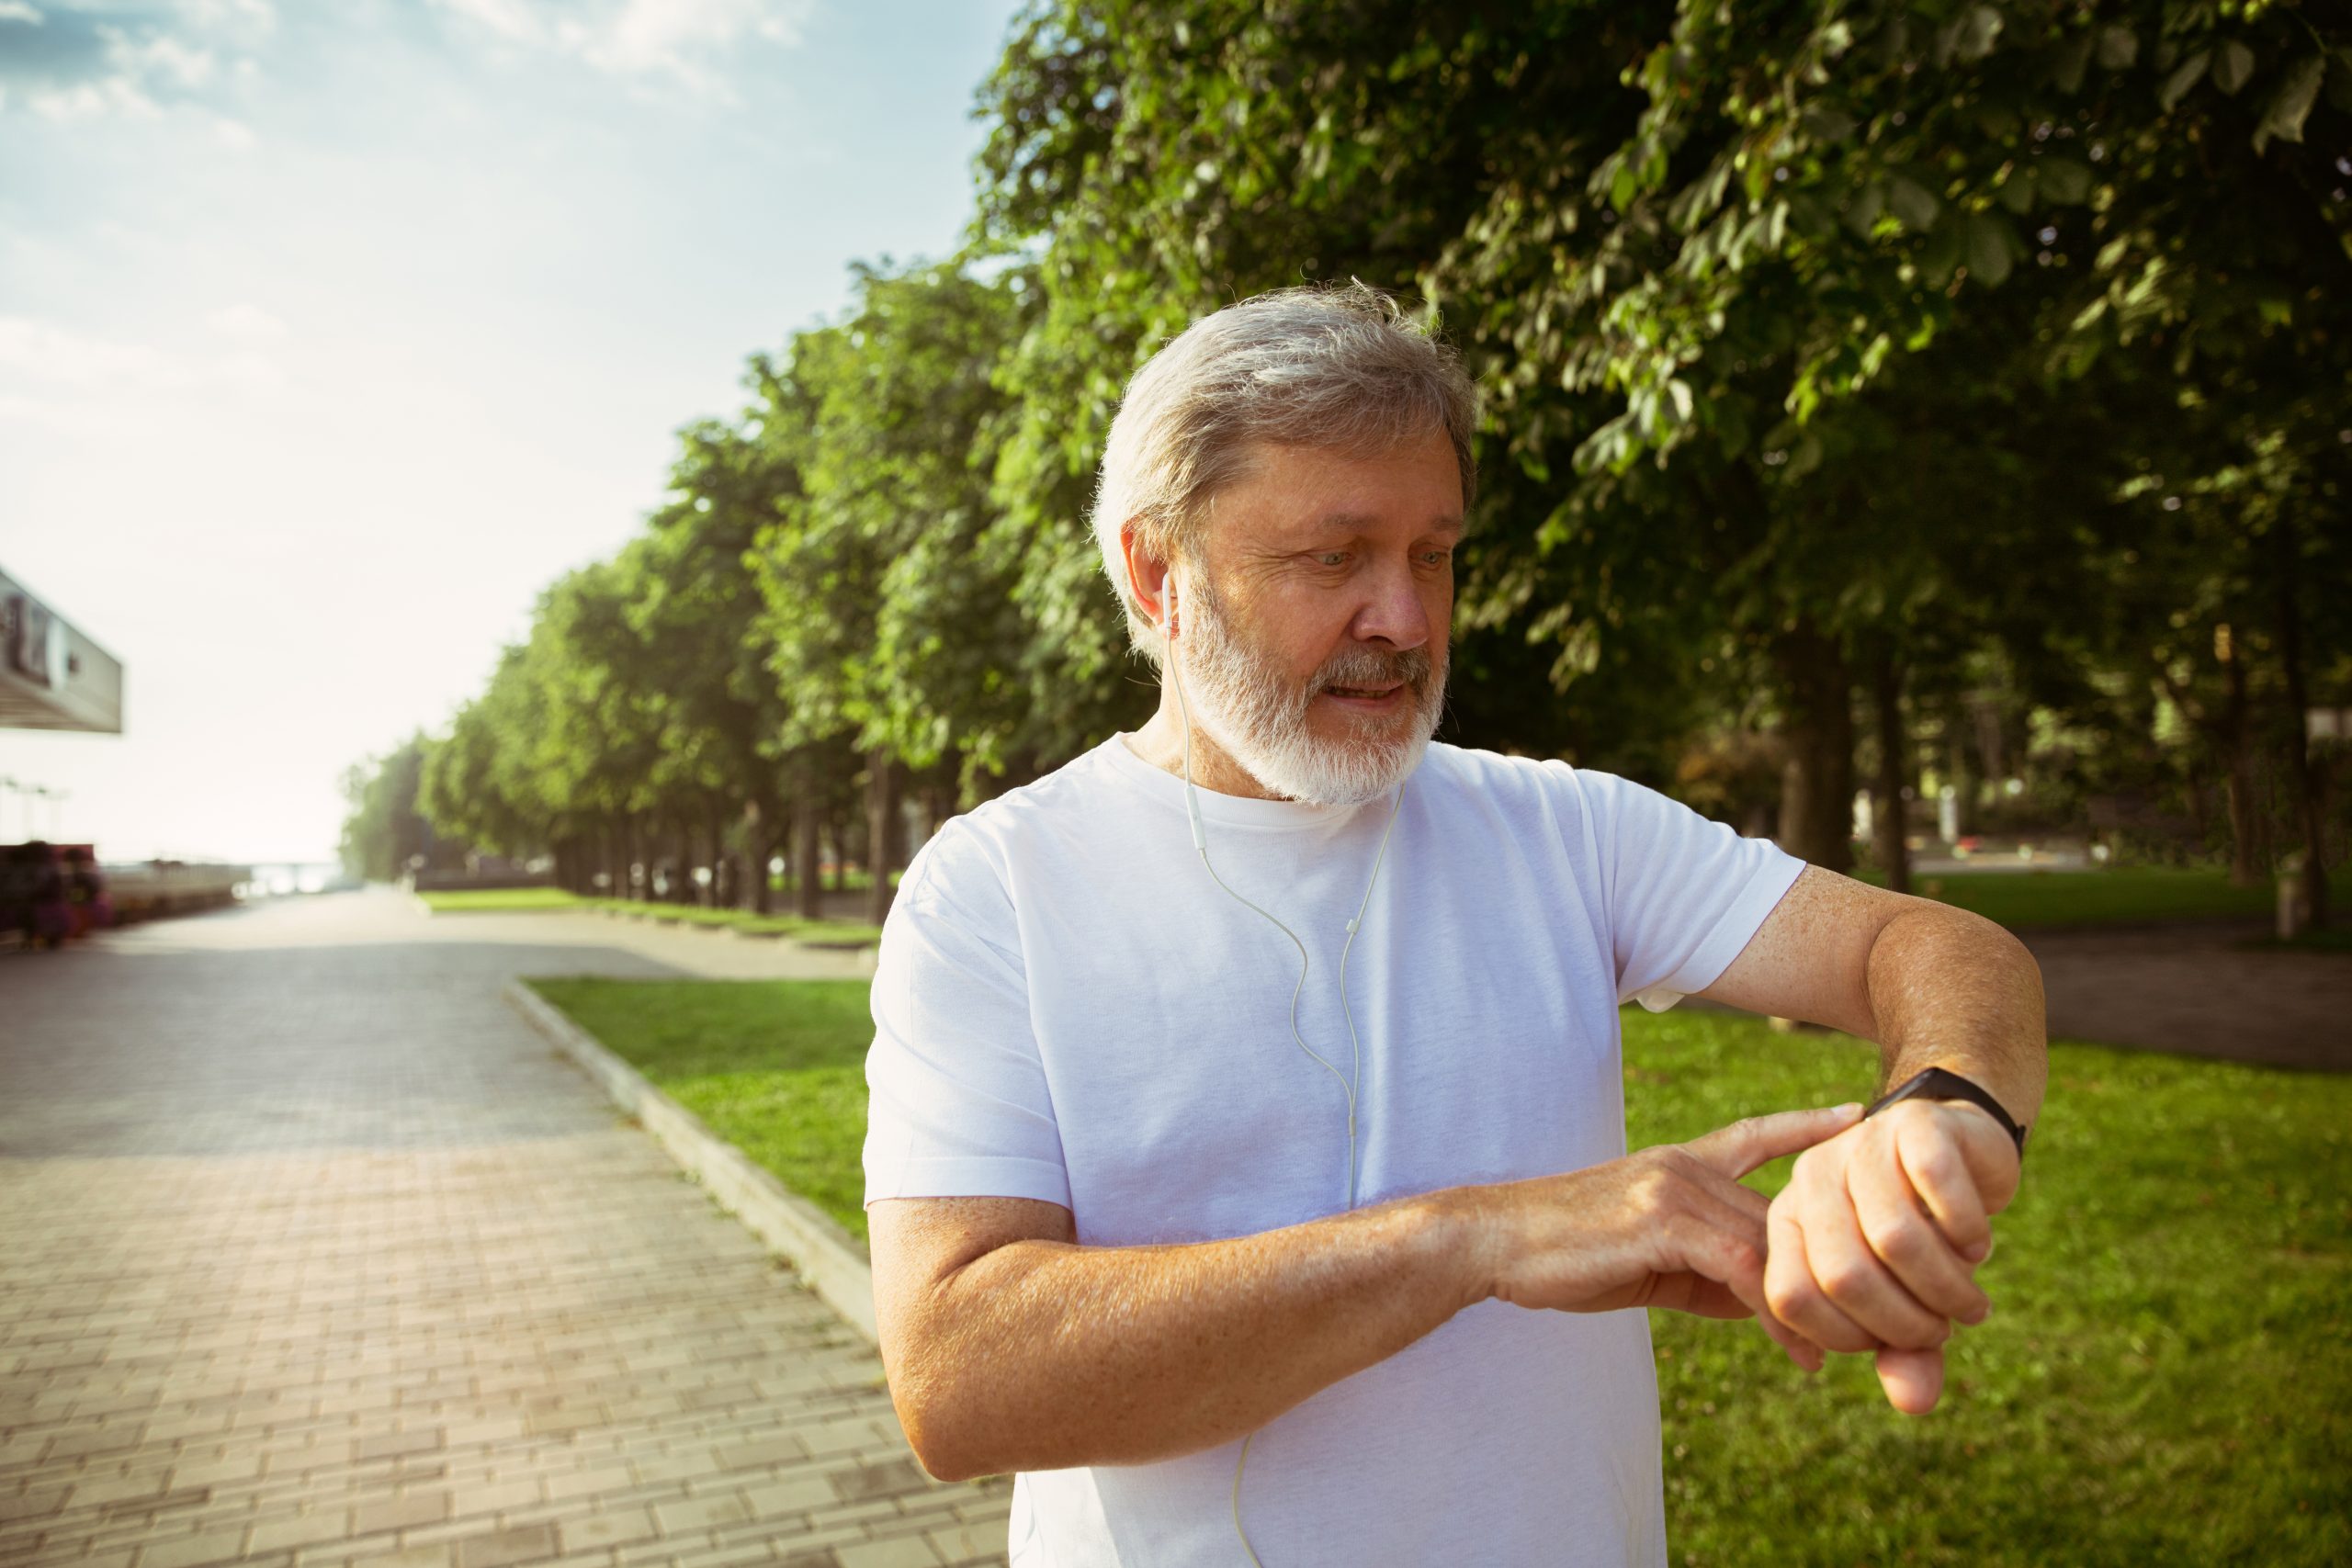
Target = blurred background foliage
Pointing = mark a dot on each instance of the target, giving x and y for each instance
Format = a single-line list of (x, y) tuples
[(1919, 400)]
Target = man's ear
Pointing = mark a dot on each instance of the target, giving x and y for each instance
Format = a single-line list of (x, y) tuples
[(1151, 584)]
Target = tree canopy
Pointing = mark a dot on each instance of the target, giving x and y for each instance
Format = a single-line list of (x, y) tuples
[(1934, 393)]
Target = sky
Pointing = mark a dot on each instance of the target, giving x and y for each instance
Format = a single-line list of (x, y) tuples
[(330, 335)]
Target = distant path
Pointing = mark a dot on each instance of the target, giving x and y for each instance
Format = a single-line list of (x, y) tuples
[(2191, 989), (316, 1254)]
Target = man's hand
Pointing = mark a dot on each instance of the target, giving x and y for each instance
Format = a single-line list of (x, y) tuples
[(1669, 1226), (1875, 1242)]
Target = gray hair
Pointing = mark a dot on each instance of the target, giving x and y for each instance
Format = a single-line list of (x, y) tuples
[(1340, 367)]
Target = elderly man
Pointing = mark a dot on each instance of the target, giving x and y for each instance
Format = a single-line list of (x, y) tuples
[(1247, 1165)]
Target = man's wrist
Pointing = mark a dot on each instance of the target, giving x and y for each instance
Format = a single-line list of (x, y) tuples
[(1456, 1232), (1944, 1086)]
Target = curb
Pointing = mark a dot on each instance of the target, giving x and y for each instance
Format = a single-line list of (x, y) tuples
[(830, 1259)]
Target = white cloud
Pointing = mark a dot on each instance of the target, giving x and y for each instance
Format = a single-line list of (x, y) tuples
[(136, 66), (679, 39), (40, 362), (235, 134), (512, 19), (247, 322), (86, 100), (160, 57), (258, 16), (120, 57), (38, 352)]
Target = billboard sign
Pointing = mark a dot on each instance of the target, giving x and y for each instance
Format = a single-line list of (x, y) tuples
[(52, 676)]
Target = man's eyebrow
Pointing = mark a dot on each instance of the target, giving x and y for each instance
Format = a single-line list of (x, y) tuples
[(1357, 522)]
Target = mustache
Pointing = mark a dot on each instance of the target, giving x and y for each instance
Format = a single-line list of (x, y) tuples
[(1371, 667)]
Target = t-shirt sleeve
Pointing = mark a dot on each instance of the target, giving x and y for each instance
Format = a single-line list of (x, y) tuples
[(957, 1104), (1683, 894)]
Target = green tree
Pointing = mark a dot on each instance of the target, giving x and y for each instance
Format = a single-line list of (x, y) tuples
[(384, 835), (891, 618)]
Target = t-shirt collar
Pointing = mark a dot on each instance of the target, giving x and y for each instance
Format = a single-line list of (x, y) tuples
[(1239, 809)]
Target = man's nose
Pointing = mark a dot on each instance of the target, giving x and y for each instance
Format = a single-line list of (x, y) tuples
[(1393, 612)]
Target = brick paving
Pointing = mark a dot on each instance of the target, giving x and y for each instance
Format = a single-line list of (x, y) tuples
[(315, 1254)]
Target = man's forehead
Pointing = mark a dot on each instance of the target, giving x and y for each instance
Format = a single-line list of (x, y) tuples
[(1318, 493)]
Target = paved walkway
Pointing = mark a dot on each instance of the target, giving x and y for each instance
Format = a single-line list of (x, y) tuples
[(2198, 990), (315, 1253)]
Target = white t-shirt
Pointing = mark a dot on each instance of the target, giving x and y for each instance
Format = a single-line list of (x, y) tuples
[(1067, 1009)]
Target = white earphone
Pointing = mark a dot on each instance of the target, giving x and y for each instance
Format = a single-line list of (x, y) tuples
[(1201, 843)]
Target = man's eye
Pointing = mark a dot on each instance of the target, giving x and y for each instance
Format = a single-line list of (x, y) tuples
[(1332, 557)]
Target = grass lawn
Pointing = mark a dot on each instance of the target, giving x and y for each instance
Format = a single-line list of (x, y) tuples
[(777, 1067), (483, 900), (853, 933), (2127, 895), (2166, 1377), (844, 933)]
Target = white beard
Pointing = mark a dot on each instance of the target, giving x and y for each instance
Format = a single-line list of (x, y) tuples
[(1242, 704)]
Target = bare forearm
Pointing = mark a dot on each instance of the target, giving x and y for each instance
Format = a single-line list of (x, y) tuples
[(1041, 1355), (1953, 990)]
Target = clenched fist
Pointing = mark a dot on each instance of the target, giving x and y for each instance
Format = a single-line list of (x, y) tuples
[(1875, 1242)]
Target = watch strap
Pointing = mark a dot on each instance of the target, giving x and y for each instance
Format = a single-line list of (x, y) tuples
[(1936, 1083)]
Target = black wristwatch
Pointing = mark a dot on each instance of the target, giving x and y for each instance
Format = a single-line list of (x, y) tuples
[(1938, 1084)]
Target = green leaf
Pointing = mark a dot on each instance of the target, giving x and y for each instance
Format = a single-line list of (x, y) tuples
[(1677, 392), (1979, 25), (1863, 211), (1988, 249), (2233, 66), (2062, 180), (1826, 124), (2184, 77), (1804, 458), (2017, 191), (1942, 255), (2118, 47), (2068, 63), (1911, 202), (2293, 104)]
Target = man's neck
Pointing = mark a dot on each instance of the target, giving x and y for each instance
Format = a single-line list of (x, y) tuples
[(1161, 742)]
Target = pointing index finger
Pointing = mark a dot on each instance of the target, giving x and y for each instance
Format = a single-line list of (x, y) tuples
[(1747, 1146)]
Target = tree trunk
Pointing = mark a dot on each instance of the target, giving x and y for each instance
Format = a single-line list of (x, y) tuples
[(715, 823), (2237, 745), (1888, 821), (1817, 780), (2308, 787), (1962, 785), (758, 828), (807, 895), (882, 832)]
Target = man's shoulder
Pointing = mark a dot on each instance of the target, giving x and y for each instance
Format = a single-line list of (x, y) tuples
[(1084, 780), (1499, 778), (988, 836)]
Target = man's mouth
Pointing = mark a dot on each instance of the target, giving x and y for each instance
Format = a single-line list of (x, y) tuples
[(1371, 694)]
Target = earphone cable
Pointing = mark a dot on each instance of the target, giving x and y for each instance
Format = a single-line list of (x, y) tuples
[(1200, 843)]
